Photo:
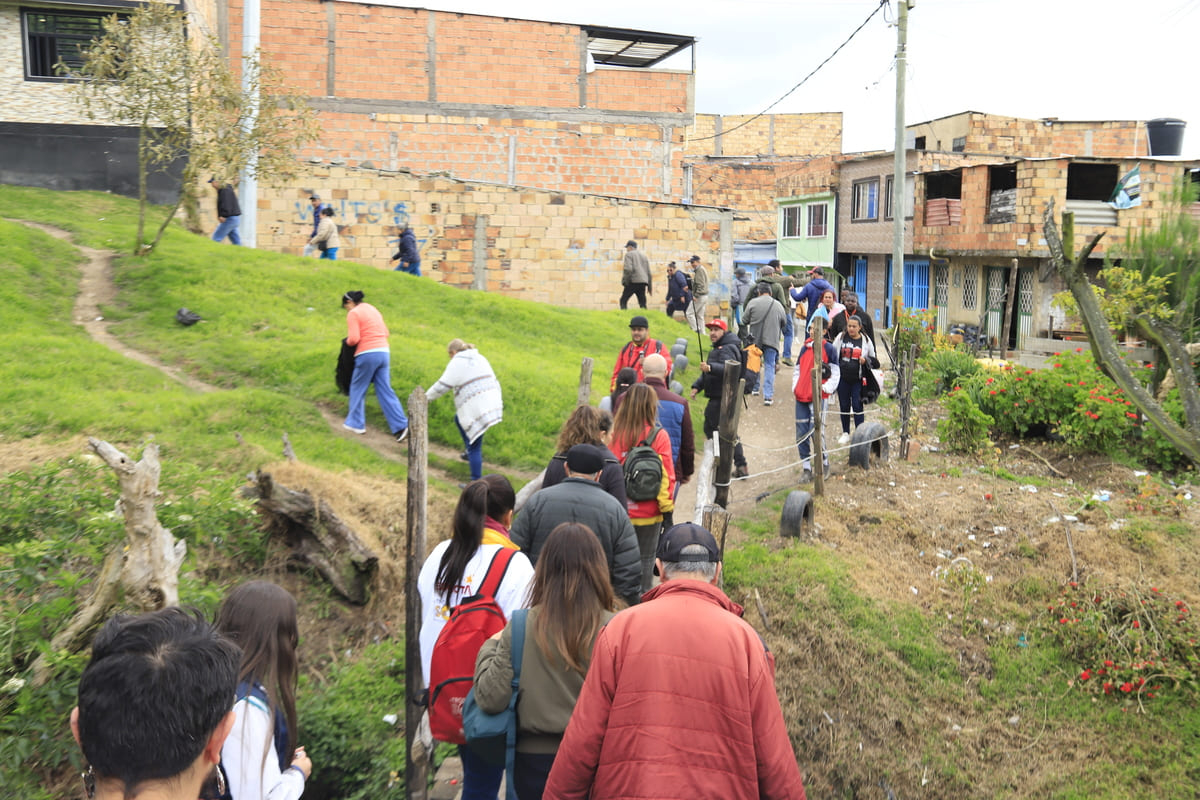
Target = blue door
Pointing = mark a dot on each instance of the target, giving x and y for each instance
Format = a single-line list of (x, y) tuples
[(860, 280), (916, 283)]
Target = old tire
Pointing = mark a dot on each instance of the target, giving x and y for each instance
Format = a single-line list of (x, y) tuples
[(676, 387), (683, 340), (869, 439), (679, 365), (678, 349), (796, 521)]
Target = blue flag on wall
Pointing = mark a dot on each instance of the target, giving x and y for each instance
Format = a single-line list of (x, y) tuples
[(1129, 190)]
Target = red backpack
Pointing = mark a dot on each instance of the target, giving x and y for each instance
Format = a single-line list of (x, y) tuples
[(452, 665)]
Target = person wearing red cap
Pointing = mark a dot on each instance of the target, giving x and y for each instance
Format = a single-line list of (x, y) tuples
[(726, 346), (679, 700)]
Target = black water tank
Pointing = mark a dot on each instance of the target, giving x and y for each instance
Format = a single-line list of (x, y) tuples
[(1166, 136)]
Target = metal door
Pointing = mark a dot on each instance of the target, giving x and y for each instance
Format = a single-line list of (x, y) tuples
[(996, 278), (860, 280), (941, 295), (916, 284), (1024, 305)]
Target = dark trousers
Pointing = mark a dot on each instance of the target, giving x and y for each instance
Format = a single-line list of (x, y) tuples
[(850, 398), (630, 290), (532, 770), (712, 420)]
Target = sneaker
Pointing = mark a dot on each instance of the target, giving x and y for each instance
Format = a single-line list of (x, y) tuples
[(845, 437), (401, 434), (741, 472), (768, 402), (464, 455), (806, 475), (787, 362), (754, 393), (825, 470), (354, 430)]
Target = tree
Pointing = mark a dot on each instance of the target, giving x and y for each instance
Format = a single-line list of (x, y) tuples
[(188, 105), (1168, 256)]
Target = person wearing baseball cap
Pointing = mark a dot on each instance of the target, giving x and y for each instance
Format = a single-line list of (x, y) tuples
[(636, 349), (726, 346), (695, 314), (685, 641), (811, 292), (314, 199)]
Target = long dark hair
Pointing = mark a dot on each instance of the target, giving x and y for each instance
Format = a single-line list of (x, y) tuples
[(572, 590), (260, 617), (639, 408), (478, 501)]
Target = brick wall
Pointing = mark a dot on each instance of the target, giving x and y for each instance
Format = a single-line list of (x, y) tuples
[(771, 135), (746, 187), (1035, 138), (550, 247)]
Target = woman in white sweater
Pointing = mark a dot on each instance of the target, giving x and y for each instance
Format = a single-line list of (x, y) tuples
[(478, 404)]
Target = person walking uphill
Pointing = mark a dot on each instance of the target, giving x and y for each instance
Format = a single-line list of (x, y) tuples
[(317, 207), (368, 334), (635, 275), (679, 294), (229, 213), (408, 256), (326, 239), (478, 403), (699, 293), (679, 701), (725, 347), (765, 320)]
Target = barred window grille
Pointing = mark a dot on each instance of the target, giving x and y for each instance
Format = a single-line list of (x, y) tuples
[(970, 296), (941, 285)]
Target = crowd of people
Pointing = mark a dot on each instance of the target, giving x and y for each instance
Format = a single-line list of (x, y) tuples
[(633, 673)]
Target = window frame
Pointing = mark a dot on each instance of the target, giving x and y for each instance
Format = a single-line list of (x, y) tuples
[(808, 220), (856, 211), (791, 221), (56, 38)]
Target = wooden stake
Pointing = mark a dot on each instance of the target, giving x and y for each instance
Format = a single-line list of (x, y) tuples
[(585, 383), (415, 773)]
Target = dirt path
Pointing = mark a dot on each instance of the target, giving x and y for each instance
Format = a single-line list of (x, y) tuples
[(96, 289)]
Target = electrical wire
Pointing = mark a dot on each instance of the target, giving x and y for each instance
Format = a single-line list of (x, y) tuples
[(882, 4)]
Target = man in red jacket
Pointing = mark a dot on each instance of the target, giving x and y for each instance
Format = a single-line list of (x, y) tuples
[(679, 700), (636, 349)]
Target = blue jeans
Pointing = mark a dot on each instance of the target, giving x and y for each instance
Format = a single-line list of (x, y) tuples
[(330, 254), (804, 426), (374, 368), (481, 780), (228, 228), (770, 355), (474, 451), (789, 332), (413, 268)]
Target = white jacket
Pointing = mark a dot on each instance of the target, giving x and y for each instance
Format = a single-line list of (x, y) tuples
[(477, 399), (249, 758)]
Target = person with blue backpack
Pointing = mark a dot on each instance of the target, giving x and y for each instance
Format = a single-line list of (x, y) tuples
[(570, 602), (261, 758)]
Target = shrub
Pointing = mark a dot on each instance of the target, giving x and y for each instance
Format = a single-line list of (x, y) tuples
[(356, 753), (965, 429), (949, 368)]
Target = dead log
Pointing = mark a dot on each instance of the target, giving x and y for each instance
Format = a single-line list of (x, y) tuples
[(144, 568), (317, 537)]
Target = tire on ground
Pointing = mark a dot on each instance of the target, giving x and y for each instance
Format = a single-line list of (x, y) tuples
[(683, 340), (796, 521), (869, 439), (676, 387), (679, 365), (678, 349)]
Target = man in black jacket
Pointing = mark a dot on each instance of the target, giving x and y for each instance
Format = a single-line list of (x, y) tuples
[(725, 347), (581, 499), (229, 213)]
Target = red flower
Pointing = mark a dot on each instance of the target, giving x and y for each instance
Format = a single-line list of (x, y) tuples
[(1063, 621), (1137, 624), (1078, 349), (1057, 366), (1108, 663), (1108, 687), (1085, 675), (1131, 415), (1127, 687)]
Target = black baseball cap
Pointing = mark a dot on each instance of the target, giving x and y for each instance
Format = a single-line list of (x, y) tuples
[(685, 534), (639, 322), (585, 459)]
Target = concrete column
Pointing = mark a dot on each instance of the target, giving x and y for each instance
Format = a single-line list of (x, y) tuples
[(479, 254)]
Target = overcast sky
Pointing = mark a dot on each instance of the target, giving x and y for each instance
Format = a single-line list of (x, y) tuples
[(1071, 59)]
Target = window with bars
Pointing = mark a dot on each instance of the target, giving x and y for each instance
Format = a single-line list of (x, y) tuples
[(865, 205), (792, 217), (818, 214), (970, 286), (52, 36)]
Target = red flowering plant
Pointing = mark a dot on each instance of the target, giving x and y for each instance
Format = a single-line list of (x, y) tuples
[(1135, 641)]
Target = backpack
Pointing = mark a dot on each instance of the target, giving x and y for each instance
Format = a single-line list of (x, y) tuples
[(644, 469), (688, 278), (452, 664)]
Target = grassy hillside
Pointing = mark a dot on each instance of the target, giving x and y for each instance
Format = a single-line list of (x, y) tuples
[(894, 676)]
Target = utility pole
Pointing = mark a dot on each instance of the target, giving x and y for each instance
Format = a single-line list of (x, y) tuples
[(899, 165), (248, 190)]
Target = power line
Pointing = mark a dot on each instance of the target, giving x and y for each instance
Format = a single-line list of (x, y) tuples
[(882, 4)]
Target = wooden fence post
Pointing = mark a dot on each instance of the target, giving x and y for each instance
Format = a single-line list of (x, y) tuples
[(731, 395), (585, 383), (415, 774), (816, 445)]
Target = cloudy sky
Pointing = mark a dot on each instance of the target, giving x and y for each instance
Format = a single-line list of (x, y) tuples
[(1071, 59)]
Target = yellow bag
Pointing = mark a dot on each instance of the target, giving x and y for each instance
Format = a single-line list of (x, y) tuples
[(754, 358)]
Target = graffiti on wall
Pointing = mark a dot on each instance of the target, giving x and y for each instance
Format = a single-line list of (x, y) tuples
[(373, 211)]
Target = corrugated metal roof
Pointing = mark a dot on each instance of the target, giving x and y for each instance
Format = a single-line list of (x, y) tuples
[(625, 47)]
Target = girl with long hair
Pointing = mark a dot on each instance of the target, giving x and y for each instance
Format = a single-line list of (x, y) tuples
[(571, 600), (637, 421), (261, 758), (455, 570), (587, 425)]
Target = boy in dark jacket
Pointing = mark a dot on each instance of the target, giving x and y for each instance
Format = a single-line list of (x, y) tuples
[(725, 347)]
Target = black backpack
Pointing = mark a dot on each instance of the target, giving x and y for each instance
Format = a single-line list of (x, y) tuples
[(644, 469)]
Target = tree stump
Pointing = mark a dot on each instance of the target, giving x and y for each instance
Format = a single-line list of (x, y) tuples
[(317, 537)]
